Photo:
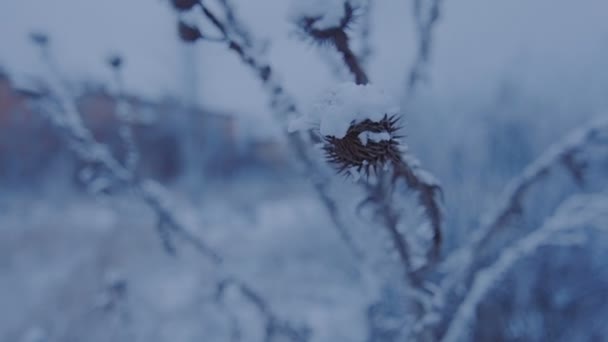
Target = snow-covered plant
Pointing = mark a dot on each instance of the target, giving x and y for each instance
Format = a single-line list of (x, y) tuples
[(52, 98), (358, 128), (577, 212), (359, 125), (233, 34), (327, 23)]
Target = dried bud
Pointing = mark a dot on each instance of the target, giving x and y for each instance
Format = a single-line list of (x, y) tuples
[(367, 146), (39, 38), (188, 33), (115, 61), (184, 5)]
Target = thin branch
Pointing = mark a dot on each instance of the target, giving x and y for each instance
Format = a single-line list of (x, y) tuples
[(126, 119), (234, 23), (577, 212), (65, 115), (283, 106), (365, 51), (274, 325), (461, 265), (341, 42), (336, 36), (561, 155), (426, 18), (404, 168), (429, 197)]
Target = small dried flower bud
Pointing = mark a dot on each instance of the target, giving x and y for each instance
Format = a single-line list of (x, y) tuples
[(115, 61), (184, 5), (188, 33), (39, 38)]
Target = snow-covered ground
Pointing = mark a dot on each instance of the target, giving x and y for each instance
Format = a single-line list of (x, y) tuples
[(63, 261)]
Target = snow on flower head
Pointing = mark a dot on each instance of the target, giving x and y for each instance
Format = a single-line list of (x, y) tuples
[(345, 104), (359, 125)]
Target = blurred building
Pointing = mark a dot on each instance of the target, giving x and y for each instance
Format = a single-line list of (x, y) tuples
[(206, 143)]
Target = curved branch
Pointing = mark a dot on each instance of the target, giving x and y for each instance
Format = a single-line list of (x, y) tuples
[(563, 154), (426, 18), (574, 213), (283, 106)]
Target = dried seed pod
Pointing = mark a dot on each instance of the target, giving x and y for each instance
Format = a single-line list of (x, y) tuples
[(39, 38), (115, 61), (188, 33), (367, 146)]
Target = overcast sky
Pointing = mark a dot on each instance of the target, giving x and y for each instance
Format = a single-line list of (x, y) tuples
[(542, 43)]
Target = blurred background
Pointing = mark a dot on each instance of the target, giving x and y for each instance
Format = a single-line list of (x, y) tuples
[(506, 79)]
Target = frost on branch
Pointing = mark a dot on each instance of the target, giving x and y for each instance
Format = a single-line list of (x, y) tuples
[(577, 154), (244, 45), (583, 211), (326, 22), (322, 15), (493, 249), (360, 131)]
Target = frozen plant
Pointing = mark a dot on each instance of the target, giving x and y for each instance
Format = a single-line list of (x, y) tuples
[(357, 126), (53, 98)]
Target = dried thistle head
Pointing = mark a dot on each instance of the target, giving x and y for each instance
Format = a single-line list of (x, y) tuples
[(358, 125), (367, 146)]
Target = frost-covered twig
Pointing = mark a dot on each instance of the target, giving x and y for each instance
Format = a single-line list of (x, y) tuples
[(426, 15), (118, 176), (63, 113), (125, 116), (365, 51), (331, 28), (567, 154), (327, 22), (577, 212), (156, 197), (233, 22), (275, 326), (283, 106), (571, 154), (57, 102), (429, 195)]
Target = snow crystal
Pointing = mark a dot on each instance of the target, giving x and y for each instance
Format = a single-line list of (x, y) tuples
[(340, 106), (364, 137)]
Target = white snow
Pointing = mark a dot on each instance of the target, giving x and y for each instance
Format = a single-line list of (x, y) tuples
[(354, 173), (365, 137), (340, 106)]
